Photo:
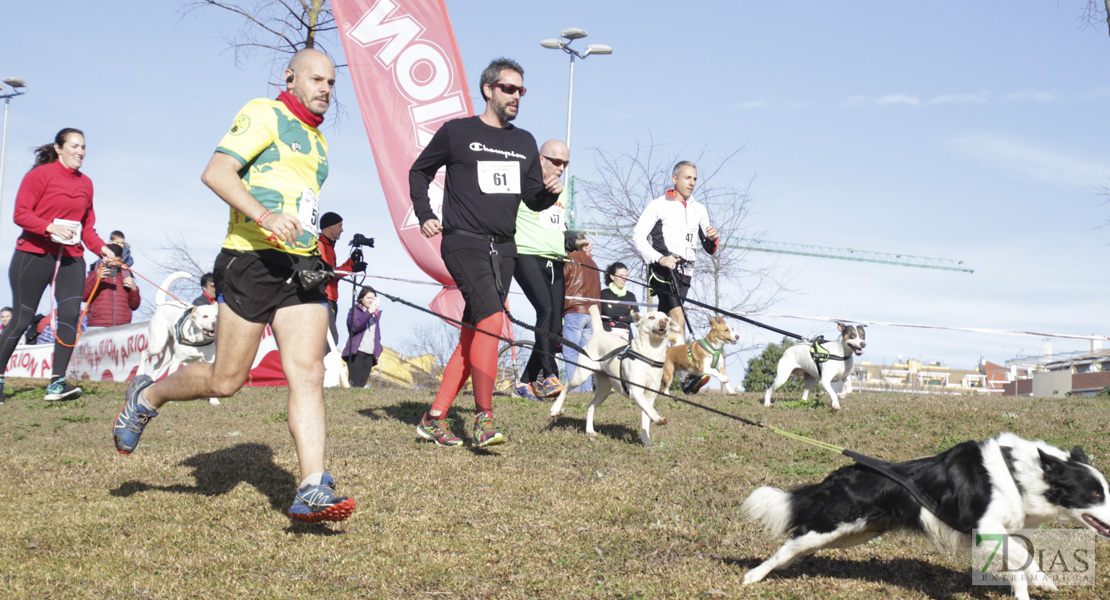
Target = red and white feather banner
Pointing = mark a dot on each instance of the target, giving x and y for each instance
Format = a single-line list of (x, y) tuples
[(408, 78)]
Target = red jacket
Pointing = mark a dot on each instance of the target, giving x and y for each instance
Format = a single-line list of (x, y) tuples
[(327, 252), (49, 192), (113, 303)]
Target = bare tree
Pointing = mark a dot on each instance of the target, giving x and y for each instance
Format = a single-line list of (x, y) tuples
[(613, 205), (435, 337), (278, 26), (1096, 12)]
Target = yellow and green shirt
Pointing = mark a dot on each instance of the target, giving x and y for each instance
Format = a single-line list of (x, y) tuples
[(284, 163)]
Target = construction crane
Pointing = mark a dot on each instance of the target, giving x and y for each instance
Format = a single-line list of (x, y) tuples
[(830, 252), (902, 260)]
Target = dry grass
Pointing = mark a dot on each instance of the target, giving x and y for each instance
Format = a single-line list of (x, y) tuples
[(198, 510)]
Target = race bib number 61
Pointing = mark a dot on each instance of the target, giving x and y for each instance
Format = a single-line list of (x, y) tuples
[(499, 176)]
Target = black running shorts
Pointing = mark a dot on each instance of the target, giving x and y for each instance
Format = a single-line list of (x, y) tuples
[(472, 270), (667, 285), (255, 289)]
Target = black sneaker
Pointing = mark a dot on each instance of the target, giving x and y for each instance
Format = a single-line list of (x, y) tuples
[(693, 383), (60, 390)]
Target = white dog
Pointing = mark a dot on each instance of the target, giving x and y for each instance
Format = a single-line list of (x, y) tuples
[(180, 335), (642, 366), (997, 486), (825, 362)]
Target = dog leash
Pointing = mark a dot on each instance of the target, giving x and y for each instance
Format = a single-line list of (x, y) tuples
[(694, 302), (879, 466)]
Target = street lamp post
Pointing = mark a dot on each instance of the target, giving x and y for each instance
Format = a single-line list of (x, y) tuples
[(563, 42), (18, 86)]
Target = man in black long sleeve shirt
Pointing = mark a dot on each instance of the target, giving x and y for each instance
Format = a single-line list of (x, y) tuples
[(492, 167)]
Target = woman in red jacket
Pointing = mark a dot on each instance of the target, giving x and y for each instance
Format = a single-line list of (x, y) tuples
[(54, 207)]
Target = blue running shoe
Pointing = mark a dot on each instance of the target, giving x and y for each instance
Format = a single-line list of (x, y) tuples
[(524, 390), (60, 390), (548, 388), (315, 503), (1, 390), (133, 417)]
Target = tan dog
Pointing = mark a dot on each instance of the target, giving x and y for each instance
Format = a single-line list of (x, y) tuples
[(705, 356), (643, 366)]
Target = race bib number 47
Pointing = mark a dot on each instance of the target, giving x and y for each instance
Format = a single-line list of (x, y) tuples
[(499, 176)]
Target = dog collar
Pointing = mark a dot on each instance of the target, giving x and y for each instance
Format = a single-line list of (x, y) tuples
[(179, 329)]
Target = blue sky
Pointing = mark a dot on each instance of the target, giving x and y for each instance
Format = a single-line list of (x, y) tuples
[(948, 129)]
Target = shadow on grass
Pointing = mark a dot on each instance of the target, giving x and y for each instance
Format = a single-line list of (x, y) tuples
[(218, 473), (621, 433), (411, 412), (918, 576), (405, 412)]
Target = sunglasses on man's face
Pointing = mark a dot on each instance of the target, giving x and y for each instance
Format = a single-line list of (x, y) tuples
[(558, 162), (509, 88)]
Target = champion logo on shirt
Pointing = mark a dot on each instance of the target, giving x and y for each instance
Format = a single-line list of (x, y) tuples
[(480, 147)]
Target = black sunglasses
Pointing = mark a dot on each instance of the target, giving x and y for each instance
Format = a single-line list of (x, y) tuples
[(509, 88), (558, 162)]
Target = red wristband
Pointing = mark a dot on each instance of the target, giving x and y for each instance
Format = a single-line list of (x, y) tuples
[(262, 218)]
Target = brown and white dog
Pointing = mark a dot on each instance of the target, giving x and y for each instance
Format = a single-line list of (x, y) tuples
[(643, 367), (802, 360), (705, 356)]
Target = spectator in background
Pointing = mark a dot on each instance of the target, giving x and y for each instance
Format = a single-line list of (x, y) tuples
[(364, 341), (117, 237), (583, 290), (616, 316), (44, 332), (5, 317), (112, 301), (331, 227), (208, 291)]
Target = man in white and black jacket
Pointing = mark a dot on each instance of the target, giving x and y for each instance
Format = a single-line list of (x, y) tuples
[(667, 236), (492, 167)]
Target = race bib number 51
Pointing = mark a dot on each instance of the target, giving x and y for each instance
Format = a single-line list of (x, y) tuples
[(308, 212), (499, 176)]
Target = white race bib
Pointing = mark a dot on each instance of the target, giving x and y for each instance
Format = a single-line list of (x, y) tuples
[(309, 212), (75, 225), (552, 217), (692, 236), (499, 176)]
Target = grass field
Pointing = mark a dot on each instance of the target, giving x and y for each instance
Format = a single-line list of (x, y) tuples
[(198, 511)]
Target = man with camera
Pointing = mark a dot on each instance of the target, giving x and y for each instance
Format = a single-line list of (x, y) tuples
[(112, 301), (331, 227)]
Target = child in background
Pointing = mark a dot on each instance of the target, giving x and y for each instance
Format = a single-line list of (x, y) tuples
[(117, 237)]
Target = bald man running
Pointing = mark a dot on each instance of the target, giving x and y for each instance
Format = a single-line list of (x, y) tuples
[(268, 168), (541, 238)]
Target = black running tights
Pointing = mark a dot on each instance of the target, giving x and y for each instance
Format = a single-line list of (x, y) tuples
[(30, 274)]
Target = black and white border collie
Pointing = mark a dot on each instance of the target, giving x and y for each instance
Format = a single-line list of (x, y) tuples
[(1002, 484)]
